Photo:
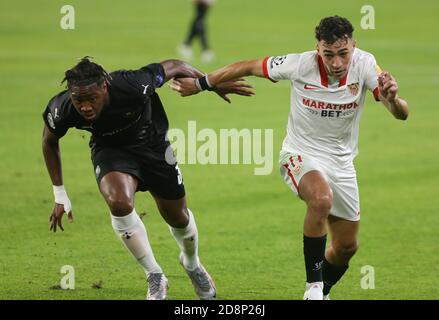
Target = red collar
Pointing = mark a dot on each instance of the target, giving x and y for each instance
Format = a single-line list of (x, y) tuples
[(324, 75)]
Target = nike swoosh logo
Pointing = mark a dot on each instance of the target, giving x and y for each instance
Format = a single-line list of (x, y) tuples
[(308, 87)]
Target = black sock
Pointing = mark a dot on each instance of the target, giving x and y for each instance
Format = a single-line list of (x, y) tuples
[(314, 251), (331, 274)]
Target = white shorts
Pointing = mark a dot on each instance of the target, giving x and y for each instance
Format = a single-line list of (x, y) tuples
[(342, 181)]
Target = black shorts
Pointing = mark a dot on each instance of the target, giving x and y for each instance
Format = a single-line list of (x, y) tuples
[(155, 169)]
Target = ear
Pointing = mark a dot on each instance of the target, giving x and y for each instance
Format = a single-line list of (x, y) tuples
[(354, 43), (105, 86), (318, 49)]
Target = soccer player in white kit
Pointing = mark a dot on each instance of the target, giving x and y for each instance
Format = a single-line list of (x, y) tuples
[(328, 90)]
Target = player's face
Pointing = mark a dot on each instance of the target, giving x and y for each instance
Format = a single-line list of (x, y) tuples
[(336, 56), (89, 100)]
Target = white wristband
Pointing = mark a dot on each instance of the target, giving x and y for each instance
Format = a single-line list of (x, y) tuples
[(61, 198), (207, 81)]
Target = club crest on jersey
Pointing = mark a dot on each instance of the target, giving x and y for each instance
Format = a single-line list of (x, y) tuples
[(277, 61), (353, 88)]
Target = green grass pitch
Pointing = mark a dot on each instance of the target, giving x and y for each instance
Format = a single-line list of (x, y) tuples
[(250, 226)]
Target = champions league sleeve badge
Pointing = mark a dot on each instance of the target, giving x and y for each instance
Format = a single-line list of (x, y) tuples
[(277, 61)]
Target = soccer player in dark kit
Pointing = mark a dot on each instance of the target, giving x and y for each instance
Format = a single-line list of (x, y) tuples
[(128, 146)]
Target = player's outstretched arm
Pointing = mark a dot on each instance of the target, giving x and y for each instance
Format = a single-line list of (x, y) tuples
[(236, 70), (216, 79), (388, 88), (177, 70), (52, 157)]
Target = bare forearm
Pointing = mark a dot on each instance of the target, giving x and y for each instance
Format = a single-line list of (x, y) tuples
[(52, 157), (398, 107), (223, 81), (180, 69), (53, 163), (236, 70)]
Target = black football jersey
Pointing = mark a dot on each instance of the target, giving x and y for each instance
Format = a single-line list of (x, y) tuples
[(134, 114)]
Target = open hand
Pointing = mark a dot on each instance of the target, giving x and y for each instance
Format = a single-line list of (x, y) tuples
[(237, 86), (57, 214), (187, 87)]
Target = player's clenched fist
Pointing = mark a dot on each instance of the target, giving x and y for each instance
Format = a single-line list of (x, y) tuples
[(387, 86)]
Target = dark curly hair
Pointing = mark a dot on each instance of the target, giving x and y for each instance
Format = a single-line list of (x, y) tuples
[(85, 73), (331, 29)]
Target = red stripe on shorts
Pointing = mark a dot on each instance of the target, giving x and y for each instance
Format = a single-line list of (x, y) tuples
[(292, 178), (292, 162)]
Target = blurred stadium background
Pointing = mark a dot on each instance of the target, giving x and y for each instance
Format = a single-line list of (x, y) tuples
[(250, 226)]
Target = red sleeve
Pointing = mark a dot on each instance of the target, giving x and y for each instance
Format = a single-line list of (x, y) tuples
[(265, 69), (376, 94)]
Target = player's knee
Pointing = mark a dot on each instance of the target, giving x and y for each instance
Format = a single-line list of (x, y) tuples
[(321, 204), (120, 206)]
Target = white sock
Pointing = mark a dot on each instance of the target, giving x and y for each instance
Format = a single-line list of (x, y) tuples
[(187, 239), (131, 230)]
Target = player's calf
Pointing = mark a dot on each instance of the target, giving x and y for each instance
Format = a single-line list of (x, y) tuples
[(187, 240), (175, 212), (132, 232), (342, 253), (336, 263)]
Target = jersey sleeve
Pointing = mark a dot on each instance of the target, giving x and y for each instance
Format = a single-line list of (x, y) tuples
[(55, 119), (58, 115), (147, 79), (372, 71), (281, 67)]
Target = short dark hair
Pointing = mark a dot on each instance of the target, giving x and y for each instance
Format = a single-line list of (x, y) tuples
[(85, 73), (331, 29)]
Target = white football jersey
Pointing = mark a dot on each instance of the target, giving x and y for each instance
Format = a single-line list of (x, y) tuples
[(324, 119)]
